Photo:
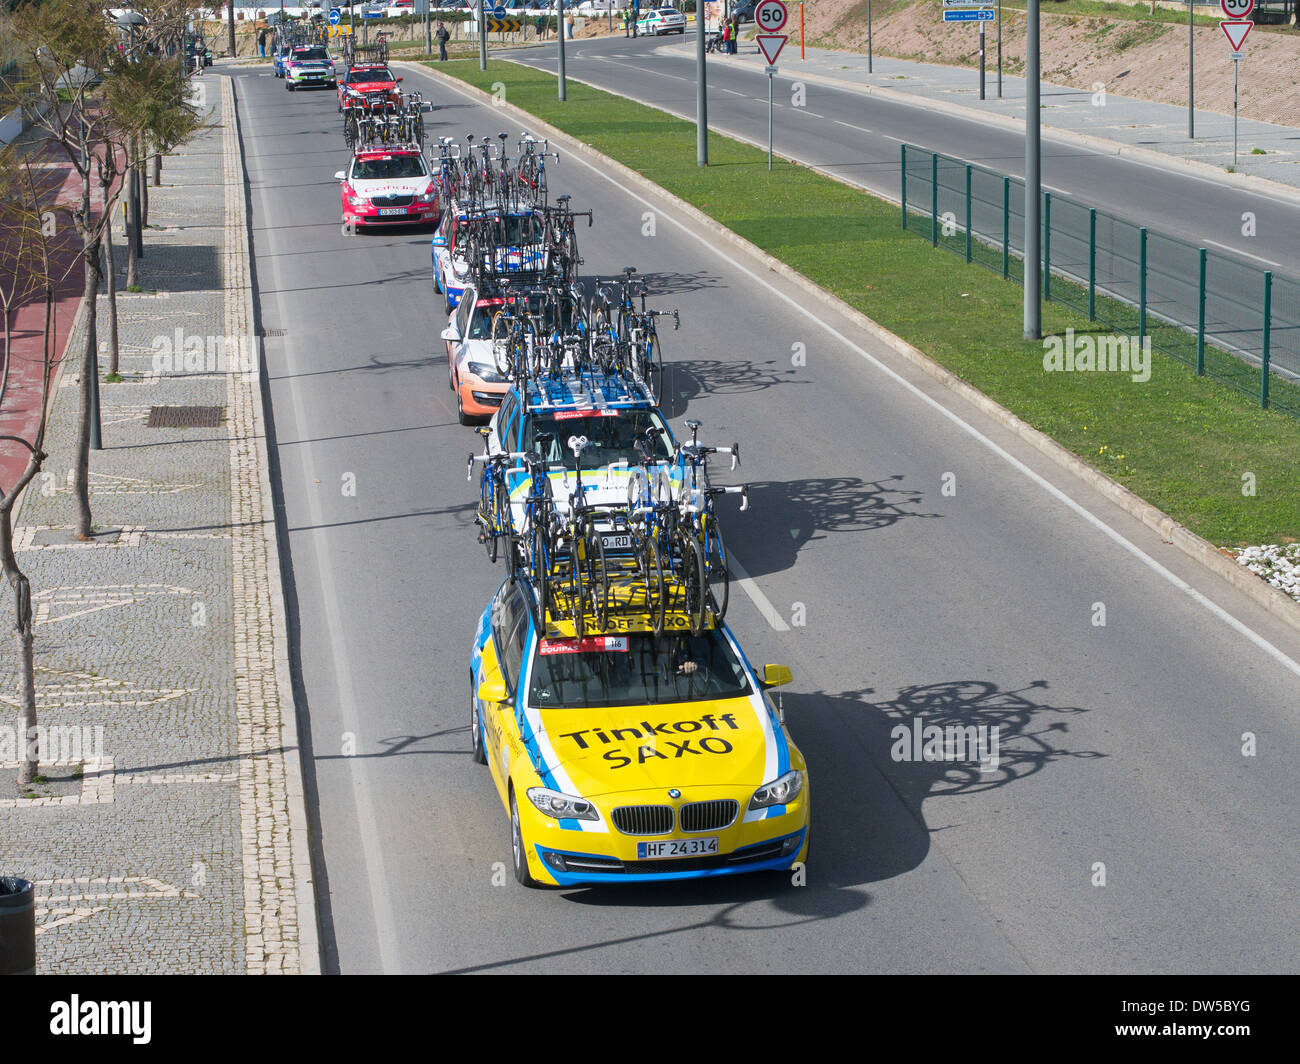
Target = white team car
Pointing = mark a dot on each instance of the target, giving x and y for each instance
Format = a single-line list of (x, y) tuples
[(662, 20)]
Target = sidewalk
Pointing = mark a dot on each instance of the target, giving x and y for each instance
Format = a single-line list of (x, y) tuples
[(168, 833), (1136, 124)]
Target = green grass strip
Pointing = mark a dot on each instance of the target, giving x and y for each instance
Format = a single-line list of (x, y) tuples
[(1183, 443)]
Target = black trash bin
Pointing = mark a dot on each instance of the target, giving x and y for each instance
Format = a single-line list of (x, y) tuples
[(17, 926)]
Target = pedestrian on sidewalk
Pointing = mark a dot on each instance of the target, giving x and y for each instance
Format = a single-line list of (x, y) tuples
[(726, 37), (625, 13), (261, 42), (570, 25), (735, 34), (541, 27), (442, 36)]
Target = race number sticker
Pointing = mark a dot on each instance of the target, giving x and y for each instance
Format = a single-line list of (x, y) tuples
[(569, 415), (589, 645)]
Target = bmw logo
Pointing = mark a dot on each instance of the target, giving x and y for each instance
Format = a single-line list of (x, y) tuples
[(674, 793)]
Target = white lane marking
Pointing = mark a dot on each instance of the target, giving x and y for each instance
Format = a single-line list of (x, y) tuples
[(1177, 581), (326, 569), (850, 125), (756, 596)]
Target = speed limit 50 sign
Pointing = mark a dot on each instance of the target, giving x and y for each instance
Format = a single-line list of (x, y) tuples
[(1237, 9), (770, 15)]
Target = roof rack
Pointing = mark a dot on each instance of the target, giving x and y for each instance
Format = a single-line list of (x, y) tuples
[(585, 391), (629, 612)]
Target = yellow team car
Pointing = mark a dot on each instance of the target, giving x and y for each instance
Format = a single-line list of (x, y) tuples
[(626, 757)]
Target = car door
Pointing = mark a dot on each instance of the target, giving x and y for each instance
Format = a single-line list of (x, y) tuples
[(460, 320), (509, 622)]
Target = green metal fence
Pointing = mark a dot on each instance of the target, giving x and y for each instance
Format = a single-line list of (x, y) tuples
[(1220, 315)]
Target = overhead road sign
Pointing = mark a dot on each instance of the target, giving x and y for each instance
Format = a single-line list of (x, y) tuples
[(983, 14), (770, 44)]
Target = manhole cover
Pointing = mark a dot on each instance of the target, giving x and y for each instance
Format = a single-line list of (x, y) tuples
[(184, 417)]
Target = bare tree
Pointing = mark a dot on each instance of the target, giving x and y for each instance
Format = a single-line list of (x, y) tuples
[(25, 257)]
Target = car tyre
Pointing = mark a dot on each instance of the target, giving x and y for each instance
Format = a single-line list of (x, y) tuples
[(518, 854), (465, 419), (476, 726)]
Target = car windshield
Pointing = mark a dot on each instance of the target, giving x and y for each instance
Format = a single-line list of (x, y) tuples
[(480, 325), (309, 54), (635, 670), (377, 74), (384, 167), (609, 436)]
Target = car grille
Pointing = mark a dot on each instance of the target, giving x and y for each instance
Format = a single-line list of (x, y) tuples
[(644, 819), (392, 201), (708, 816)]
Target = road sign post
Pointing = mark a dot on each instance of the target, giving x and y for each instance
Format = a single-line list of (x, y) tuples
[(770, 16), (1236, 29)]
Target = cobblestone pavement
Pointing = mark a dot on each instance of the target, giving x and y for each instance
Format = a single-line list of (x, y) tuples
[(161, 648)]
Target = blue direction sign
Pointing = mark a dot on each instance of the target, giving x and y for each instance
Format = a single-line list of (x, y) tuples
[(335, 16), (981, 14), (499, 11)]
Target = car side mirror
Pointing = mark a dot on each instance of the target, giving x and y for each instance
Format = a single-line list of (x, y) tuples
[(493, 691), (398, 79), (451, 333), (340, 176), (776, 675)]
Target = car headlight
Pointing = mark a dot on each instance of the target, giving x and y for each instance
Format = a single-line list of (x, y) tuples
[(778, 792), (485, 372), (426, 197), (357, 201), (561, 806)]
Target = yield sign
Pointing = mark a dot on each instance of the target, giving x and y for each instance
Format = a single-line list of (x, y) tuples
[(771, 45), (1237, 32)]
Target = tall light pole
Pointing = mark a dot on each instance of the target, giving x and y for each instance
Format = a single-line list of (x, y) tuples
[(230, 39), (559, 9), (1033, 181), (701, 91), (1191, 60)]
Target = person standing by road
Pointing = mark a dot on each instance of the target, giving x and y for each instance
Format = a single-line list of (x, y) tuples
[(569, 23), (625, 22), (442, 36), (541, 27), (735, 34), (261, 42)]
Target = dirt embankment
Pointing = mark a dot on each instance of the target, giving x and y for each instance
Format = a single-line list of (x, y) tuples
[(1143, 59)]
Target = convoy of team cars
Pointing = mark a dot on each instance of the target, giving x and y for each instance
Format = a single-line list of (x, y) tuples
[(628, 737), (626, 734)]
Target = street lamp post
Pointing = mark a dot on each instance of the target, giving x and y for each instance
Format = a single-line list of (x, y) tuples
[(1033, 181), (701, 91)]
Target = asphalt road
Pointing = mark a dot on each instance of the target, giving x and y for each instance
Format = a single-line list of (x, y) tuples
[(1120, 745), (857, 136)]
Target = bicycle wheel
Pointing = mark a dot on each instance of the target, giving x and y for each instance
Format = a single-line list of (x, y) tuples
[(540, 571), (716, 573), (691, 574), (505, 523), (502, 347), (653, 576), (487, 515), (597, 578), (653, 365), (576, 584)]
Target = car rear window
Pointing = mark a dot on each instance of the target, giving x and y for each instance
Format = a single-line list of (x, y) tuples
[(639, 669), (610, 435)]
